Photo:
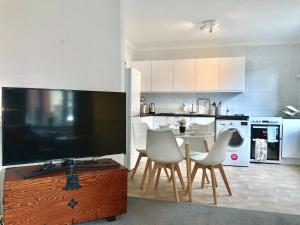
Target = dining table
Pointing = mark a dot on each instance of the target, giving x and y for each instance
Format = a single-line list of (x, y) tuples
[(187, 136)]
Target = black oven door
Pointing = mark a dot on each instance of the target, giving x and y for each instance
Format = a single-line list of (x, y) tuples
[(261, 132)]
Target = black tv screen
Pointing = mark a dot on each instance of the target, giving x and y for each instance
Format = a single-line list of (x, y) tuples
[(43, 124)]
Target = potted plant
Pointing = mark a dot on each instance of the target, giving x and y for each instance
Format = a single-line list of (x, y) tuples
[(182, 125)]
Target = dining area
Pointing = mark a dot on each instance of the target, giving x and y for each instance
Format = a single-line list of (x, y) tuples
[(173, 157)]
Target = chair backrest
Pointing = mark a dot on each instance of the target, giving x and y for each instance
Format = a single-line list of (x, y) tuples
[(217, 154), (197, 144), (140, 135), (162, 147)]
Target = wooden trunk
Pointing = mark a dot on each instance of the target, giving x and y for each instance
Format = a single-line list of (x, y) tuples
[(43, 201)]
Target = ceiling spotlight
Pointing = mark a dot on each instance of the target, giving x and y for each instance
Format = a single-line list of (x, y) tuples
[(209, 26)]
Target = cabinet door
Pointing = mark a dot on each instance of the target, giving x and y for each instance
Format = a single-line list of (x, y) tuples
[(148, 120), (159, 120), (184, 75), (162, 76), (291, 138), (208, 74), (145, 68), (232, 74)]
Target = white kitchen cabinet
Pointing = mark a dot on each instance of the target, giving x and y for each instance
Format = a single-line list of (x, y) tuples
[(232, 74), (148, 120), (145, 68), (184, 75), (202, 120), (162, 76), (208, 75), (158, 121), (291, 138)]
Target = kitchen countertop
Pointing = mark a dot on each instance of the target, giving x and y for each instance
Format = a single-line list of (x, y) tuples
[(219, 117), (291, 118), (177, 114), (232, 117)]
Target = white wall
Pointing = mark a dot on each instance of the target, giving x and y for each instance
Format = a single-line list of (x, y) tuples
[(67, 44), (129, 52), (74, 44), (271, 81)]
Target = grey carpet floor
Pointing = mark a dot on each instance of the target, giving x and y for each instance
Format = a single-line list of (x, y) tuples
[(154, 212)]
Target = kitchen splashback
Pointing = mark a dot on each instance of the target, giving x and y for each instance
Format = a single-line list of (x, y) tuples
[(233, 102)]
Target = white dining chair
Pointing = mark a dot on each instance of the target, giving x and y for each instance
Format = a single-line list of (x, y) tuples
[(162, 149), (140, 140), (213, 159), (200, 145)]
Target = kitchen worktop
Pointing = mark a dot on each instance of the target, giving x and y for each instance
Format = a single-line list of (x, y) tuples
[(219, 117), (177, 114)]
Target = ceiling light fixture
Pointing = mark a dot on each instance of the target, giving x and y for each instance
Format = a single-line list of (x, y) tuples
[(209, 26)]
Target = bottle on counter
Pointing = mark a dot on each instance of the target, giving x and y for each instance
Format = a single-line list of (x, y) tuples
[(213, 109), (144, 108)]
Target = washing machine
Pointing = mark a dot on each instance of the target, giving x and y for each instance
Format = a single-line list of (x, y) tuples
[(238, 149)]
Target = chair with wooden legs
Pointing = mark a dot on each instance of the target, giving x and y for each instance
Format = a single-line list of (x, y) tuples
[(140, 140), (163, 150), (213, 160), (200, 145)]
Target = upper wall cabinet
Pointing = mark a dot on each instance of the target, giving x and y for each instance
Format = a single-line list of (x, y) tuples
[(207, 75), (162, 76), (232, 74), (145, 68), (189, 75), (184, 75)]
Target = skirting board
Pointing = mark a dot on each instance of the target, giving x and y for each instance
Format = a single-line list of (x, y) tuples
[(290, 161)]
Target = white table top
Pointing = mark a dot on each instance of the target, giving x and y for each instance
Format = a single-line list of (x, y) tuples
[(188, 133)]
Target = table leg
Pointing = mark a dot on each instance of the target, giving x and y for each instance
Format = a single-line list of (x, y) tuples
[(206, 145), (207, 150), (188, 168)]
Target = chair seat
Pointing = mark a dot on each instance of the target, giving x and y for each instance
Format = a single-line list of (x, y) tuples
[(198, 157)]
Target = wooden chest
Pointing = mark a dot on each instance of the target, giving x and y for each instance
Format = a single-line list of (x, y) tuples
[(42, 200)]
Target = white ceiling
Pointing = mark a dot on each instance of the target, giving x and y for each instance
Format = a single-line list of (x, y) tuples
[(154, 24)]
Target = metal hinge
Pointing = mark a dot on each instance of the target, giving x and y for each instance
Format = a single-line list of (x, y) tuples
[(72, 182)]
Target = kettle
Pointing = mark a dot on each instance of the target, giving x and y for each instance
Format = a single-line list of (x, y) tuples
[(152, 108)]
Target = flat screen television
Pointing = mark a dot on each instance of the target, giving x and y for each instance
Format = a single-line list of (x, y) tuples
[(44, 124)]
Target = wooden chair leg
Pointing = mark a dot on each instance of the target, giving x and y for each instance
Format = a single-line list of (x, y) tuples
[(167, 174), (194, 172), (193, 176), (151, 177), (136, 166), (146, 170), (157, 177), (225, 179), (204, 174), (207, 179), (150, 169), (180, 176), (213, 181), (216, 183), (174, 182)]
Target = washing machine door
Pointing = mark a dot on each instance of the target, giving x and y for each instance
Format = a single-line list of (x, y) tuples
[(237, 140)]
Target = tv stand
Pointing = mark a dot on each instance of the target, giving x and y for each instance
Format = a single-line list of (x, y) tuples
[(63, 196)]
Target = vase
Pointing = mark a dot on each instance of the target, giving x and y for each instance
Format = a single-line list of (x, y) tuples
[(182, 130)]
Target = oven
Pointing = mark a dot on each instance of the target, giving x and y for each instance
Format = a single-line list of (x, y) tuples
[(266, 134)]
